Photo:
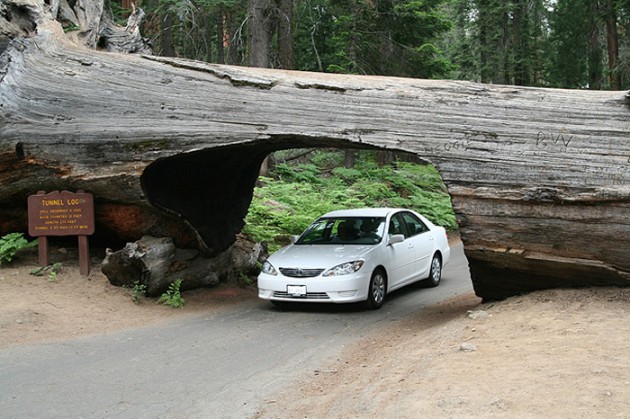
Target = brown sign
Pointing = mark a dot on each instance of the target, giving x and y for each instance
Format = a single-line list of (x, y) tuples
[(61, 214)]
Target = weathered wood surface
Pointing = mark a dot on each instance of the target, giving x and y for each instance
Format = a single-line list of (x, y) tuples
[(539, 178), (157, 262)]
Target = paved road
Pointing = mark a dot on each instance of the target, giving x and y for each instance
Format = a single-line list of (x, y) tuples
[(220, 365)]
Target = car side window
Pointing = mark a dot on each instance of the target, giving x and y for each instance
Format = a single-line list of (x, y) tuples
[(397, 225), (414, 224)]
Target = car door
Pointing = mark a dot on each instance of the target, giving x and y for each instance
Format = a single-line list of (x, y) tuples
[(400, 255), (420, 238)]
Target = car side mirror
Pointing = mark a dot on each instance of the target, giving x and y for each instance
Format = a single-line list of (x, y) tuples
[(396, 238), (294, 239)]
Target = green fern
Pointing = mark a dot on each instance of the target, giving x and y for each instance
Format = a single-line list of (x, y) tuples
[(173, 297), (11, 243), (285, 204), (53, 270)]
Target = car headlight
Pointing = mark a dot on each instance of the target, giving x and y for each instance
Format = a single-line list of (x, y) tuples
[(268, 268), (344, 269)]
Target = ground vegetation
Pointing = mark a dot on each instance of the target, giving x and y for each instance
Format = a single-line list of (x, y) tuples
[(298, 190)]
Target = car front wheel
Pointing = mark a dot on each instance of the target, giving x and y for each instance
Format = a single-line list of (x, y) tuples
[(377, 290)]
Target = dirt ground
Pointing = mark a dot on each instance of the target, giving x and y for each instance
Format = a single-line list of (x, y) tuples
[(551, 354)]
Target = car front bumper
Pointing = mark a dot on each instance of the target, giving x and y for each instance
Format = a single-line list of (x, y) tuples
[(342, 289)]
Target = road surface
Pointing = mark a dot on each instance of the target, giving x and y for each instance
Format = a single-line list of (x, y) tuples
[(218, 365)]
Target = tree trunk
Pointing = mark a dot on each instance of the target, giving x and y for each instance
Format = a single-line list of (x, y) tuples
[(222, 37), (384, 158), (259, 36), (595, 76), (503, 74), (349, 157), (168, 49), (539, 178), (285, 34), (613, 44), (235, 40)]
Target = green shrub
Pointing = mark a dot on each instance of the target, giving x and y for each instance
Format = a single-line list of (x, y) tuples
[(295, 195), (11, 243), (138, 290), (53, 270), (173, 297)]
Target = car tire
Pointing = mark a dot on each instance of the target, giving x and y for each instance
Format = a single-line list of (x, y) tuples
[(376, 290), (435, 273)]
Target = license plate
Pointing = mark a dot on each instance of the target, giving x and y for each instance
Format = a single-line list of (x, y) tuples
[(296, 290)]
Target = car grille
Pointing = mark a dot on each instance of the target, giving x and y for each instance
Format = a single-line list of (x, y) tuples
[(300, 273), (308, 296)]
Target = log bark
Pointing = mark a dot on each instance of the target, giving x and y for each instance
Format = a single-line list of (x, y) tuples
[(539, 178), (157, 262)]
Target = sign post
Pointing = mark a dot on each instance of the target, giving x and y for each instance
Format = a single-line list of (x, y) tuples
[(62, 214)]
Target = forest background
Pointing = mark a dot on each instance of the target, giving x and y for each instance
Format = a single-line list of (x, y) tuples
[(550, 43)]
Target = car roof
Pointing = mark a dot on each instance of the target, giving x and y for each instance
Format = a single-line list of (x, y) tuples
[(361, 212)]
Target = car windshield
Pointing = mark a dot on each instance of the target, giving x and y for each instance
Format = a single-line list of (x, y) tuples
[(345, 230)]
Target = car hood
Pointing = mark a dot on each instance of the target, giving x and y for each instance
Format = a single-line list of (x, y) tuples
[(318, 256)]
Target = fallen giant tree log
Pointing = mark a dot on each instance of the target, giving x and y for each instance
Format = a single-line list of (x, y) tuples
[(539, 178)]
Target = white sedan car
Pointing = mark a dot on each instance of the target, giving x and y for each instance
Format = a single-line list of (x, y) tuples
[(356, 255)]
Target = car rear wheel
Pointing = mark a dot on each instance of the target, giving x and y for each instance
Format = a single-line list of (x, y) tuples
[(435, 275), (377, 290)]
